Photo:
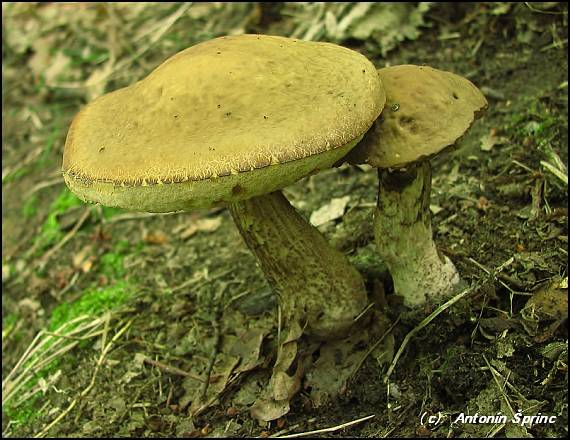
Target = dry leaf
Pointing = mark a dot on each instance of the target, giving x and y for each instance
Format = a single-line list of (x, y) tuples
[(331, 211), (156, 237), (488, 141), (201, 225)]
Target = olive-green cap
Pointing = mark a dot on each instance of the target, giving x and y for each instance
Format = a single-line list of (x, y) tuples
[(426, 111), (221, 121)]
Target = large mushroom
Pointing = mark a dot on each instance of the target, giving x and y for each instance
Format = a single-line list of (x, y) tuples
[(427, 110), (231, 121)]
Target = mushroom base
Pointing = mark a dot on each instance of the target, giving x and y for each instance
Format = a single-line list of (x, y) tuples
[(317, 286), (404, 238)]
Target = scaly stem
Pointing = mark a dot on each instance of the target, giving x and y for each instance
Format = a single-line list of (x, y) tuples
[(402, 228), (316, 284)]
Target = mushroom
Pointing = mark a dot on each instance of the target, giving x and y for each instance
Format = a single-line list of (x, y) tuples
[(427, 110), (231, 121)]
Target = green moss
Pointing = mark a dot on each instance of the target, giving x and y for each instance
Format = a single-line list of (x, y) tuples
[(123, 246), (23, 414), (112, 265), (111, 212), (30, 207), (8, 325), (17, 174), (93, 302), (9, 321), (538, 121), (51, 232)]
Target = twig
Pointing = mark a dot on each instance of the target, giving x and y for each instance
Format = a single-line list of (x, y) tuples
[(331, 429), (494, 373), (558, 173), (9, 386), (371, 349), (44, 259), (555, 45), (291, 428), (542, 11), (201, 279), (172, 370), (523, 166), (104, 350), (495, 274), (279, 330), (71, 283), (212, 360), (424, 323), (45, 184), (499, 274), (361, 314)]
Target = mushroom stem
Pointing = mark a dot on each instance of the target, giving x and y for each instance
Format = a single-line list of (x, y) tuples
[(402, 228), (316, 284)]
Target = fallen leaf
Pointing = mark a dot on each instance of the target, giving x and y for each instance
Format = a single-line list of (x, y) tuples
[(201, 225), (248, 348), (331, 211), (82, 260), (156, 237), (548, 303), (488, 141), (435, 209), (268, 409)]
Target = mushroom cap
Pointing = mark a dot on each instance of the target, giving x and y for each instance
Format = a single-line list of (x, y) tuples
[(222, 121), (426, 111)]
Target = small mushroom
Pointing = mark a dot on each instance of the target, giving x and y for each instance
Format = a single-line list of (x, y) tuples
[(427, 110), (231, 121)]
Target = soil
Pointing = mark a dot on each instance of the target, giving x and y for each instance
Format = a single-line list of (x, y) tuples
[(164, 292)]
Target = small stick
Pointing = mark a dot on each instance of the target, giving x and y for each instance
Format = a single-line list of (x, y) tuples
[(212, 360), (423, 324), (217, 342), (558, 173), (498, 274), (501, 388), (170, 393), (291, 428), (45, 184), (371, 349), (330, 429), (172, 370), (44, 259), (104, 350)]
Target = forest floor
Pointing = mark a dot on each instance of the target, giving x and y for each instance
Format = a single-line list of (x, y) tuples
[(109, 319)]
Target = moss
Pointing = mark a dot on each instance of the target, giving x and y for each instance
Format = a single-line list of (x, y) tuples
[(30, 206), (112, 265), (8, 325), (16, 174), (93, 302), (111, 212), (50, 231), (23, 414)]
